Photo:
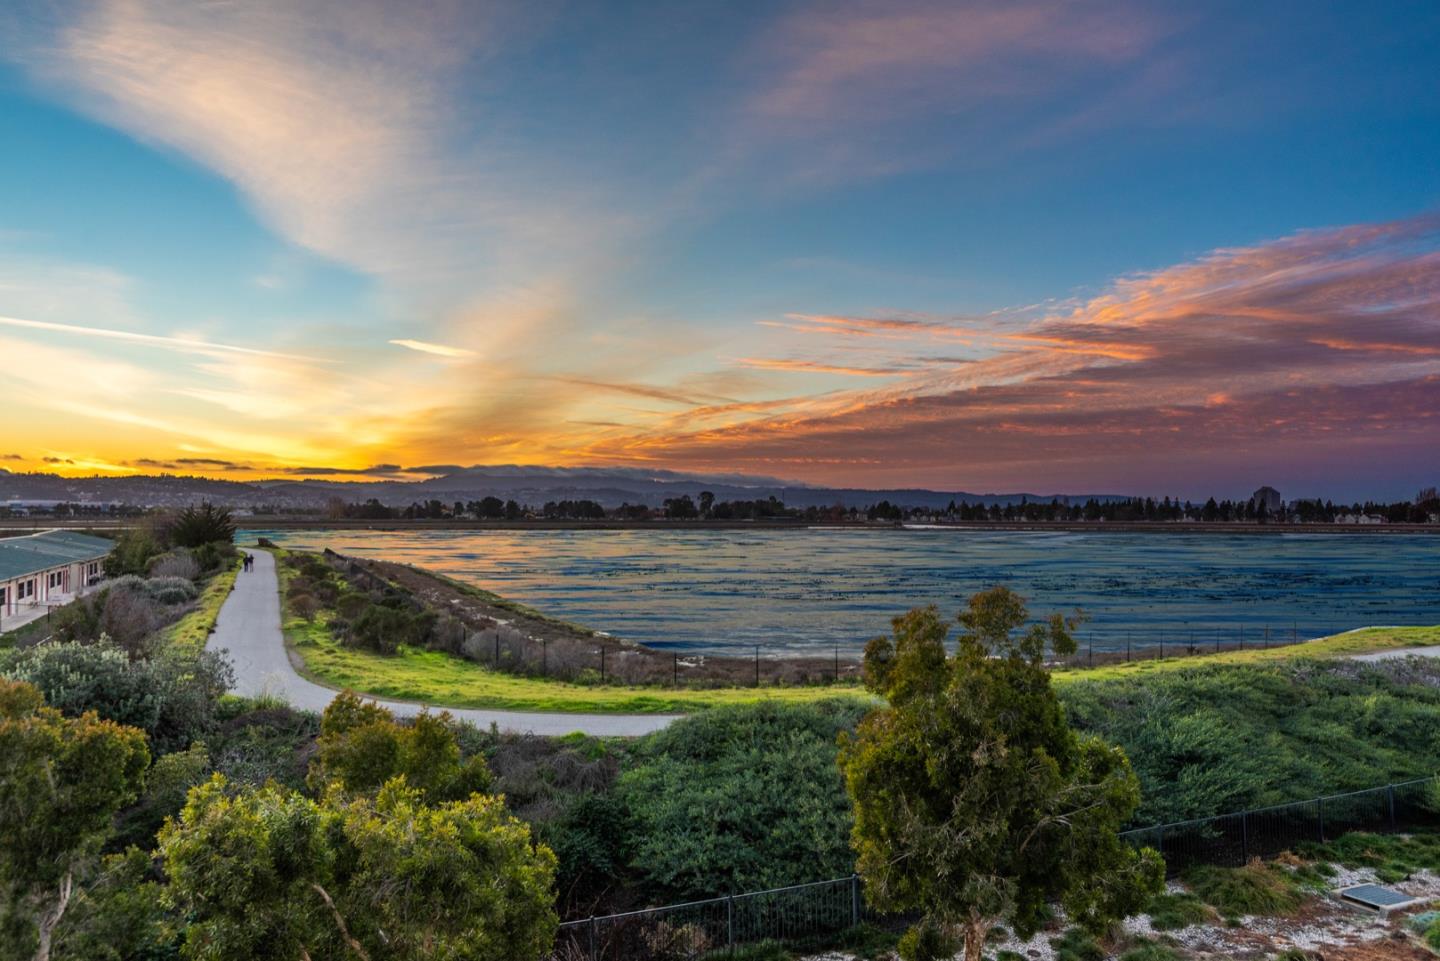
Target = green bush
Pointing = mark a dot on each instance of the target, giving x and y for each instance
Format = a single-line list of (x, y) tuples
[(166, 783), (133, 552), (1214, 739), (362, 746), (384, 627), (259, 743), (172, 697), (739, 799), (1076, 944), (925, 941), (1255, 889), (1171, 911)]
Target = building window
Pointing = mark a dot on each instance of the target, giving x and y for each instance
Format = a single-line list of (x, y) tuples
[(4, 596), (24, 590), (56, 579)]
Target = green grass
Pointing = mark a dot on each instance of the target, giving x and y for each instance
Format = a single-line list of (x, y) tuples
[(1255, 889), (192, 630), (1169, 912), (1393, 856), (434, 677), (1365, 641)]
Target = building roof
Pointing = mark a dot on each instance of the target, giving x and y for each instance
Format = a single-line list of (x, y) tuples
[(34, 553)]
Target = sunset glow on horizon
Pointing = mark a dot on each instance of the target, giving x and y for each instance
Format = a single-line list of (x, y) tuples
[(1058, 246)]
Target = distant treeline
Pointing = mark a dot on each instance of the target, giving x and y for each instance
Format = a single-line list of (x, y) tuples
[(1423, 510)]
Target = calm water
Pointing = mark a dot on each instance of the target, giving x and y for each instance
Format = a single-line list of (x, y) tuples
[(811, 590)]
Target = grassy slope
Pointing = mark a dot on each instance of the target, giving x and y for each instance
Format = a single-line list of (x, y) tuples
[(192, 630), (432, 677), (1339, 645)]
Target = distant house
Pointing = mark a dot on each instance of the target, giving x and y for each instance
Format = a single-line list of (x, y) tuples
[(1268, 498), (49, 568)]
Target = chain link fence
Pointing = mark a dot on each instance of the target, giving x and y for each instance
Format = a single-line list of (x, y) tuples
[(1231, 840), (696, 929)]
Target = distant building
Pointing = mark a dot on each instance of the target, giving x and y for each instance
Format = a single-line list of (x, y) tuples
[(53, 567), (1268, 498)]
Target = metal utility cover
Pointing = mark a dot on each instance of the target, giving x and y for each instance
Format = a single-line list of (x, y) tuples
[(1377, 898)]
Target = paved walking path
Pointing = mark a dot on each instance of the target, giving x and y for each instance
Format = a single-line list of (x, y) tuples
[(249, 629), (1431, 651)]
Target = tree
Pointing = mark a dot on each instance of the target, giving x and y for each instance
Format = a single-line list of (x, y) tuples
[(974, 801), (206, 524), (62, 781), (270, 874), (361, 747), (707, 501)]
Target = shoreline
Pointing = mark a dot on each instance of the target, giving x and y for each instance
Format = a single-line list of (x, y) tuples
[(263, 522)]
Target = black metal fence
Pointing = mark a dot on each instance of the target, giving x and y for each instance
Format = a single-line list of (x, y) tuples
[(714, 927), (1233, 839), (679, 932)]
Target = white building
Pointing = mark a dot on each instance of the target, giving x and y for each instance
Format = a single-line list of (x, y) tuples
[(39, 571)]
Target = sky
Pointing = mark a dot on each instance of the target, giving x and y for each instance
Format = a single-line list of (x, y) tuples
[(1155, 248)]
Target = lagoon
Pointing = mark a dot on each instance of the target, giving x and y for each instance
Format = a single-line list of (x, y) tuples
[(815, 590)]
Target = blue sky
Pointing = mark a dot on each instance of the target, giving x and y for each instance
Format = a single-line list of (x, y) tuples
[(592, 228)]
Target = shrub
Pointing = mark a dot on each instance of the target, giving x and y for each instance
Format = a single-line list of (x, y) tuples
[(256, 744), (1213, 739), (362, 746), (1257, 888), (172, 697), (268, 873), (740, 798), (177, 563), (383, 628), (166, 783), (171, 590), (927, 942), (130, 618), (1171, 911), (132, 553), (1076, 944), (305, 606)]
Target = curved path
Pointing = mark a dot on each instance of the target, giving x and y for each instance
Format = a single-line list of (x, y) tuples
[(249, 630)]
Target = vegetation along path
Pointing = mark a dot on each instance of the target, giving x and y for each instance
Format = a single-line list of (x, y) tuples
[(249, 629)]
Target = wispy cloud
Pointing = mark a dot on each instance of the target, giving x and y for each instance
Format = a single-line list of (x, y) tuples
[(440, 350), (185, 344), (1248, 354)]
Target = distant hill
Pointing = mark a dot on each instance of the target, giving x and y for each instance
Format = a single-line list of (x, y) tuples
[(527, 485)]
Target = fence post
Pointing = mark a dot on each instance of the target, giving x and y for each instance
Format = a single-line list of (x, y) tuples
[(594, 942), (1390, 800), (854, 900), (1320, 811), (1160, 840), (674, 669), (1244, 837), (729, 920), (602, 665), (545, 658), (837, 663), (1162, 647), (757, 665), (497, 647)]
